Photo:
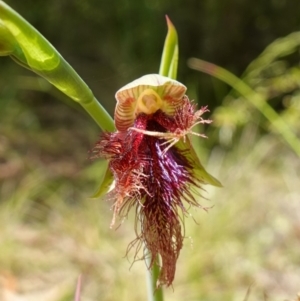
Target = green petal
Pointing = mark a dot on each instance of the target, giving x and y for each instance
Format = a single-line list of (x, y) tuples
[(198, 168), (105, 184), (169, 60)]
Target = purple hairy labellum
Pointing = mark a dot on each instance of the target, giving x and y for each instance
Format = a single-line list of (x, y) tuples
[(153, 163)]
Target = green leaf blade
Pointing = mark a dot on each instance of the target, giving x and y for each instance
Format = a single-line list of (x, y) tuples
[(31, 50)]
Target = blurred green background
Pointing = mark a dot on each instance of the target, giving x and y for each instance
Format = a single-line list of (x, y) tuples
[(246, 246)]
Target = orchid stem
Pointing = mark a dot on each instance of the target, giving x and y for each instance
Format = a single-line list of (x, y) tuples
[(154, 293)]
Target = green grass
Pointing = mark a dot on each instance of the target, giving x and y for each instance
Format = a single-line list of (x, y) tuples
[(50, 231)]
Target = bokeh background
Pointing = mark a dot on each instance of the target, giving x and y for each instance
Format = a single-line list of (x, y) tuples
[(247, 246)]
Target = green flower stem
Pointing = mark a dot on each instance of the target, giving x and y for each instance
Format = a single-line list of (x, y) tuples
[(253, 97), (154, 293), (26, 46)]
